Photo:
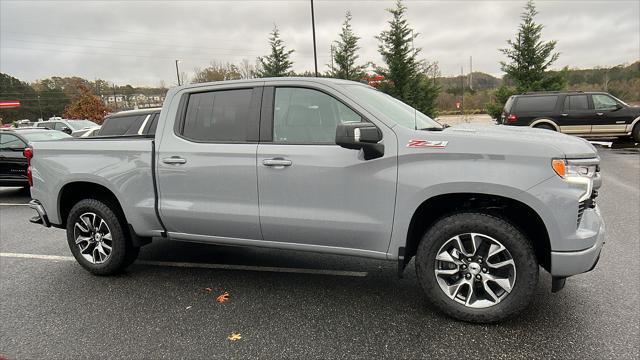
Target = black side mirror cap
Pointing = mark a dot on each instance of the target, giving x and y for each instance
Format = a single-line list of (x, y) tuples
[(362, 135)]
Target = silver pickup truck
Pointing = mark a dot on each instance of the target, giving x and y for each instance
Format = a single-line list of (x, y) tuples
[(337, 167)]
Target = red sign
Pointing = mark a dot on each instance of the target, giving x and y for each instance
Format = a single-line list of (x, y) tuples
[(8, 104)]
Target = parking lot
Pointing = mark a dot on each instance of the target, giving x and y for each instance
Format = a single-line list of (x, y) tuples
[(287, 304)]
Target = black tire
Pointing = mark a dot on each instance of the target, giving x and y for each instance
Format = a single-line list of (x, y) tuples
[(544, 126), (122, 252), (514, 240), (635, 133)]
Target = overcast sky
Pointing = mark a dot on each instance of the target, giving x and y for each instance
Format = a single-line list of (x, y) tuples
[(137, 42)]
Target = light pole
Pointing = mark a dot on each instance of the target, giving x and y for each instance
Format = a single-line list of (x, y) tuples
[(313, 30), (178, 72), (40, 107)]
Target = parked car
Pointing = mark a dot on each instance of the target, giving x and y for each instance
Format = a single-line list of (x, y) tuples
[(74, 128), (132, 122), (586, 114), (334, 166), (13, 163), (91, 132)]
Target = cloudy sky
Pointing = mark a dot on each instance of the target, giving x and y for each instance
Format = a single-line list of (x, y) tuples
[(137, 42)]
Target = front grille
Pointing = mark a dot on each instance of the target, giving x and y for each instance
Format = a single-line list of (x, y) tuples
[(590, 203), (581, 207)]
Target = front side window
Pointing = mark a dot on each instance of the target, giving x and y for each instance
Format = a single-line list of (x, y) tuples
[(308, 116), (59, 126), (218, 116), (9, 142), (576, 103), (604, 102)]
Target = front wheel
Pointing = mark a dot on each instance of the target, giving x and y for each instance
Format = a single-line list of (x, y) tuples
[(477, 267), (635, 134), (97, 238)]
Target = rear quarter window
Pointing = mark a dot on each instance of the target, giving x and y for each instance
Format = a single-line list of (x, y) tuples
[(508, 105), (122, 125), (536, 103)]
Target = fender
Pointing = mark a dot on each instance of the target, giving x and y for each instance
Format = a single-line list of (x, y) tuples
[(545, 121)]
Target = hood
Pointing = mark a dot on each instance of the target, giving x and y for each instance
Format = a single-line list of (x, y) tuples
[(570, 146)]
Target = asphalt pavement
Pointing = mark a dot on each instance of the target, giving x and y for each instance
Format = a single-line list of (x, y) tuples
[(287, 304)]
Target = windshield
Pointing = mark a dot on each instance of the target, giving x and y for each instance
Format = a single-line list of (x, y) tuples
[(394, 109), (44, 135), (80, 124)]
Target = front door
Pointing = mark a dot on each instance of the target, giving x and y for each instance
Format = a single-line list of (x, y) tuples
[(577, 116), (313, 192), (609, 119), (207, 177)]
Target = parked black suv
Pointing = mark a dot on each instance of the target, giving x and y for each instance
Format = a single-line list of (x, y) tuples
[(13, 164), (587, 114)]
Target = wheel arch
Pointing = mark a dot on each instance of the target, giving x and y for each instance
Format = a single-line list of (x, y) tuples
[(521, 215), (546, 121), (73, 192)]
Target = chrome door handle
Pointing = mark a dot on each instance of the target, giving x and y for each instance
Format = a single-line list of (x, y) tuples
[(174, 160), (599, 114), (277, 162), (564, 114)]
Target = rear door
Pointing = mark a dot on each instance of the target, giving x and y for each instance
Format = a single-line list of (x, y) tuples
[(207, 177), (577, 115), (610, 117), (313, 192), (13, 164)]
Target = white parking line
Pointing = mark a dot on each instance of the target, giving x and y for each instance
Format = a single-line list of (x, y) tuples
[(203, 265), (12, 204)]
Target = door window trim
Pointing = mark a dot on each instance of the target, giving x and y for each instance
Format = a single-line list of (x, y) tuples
[(268, 109), (253, 122)]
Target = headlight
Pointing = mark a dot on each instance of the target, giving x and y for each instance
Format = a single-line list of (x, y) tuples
[(576, 172)]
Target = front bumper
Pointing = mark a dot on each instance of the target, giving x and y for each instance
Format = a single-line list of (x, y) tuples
[(567, 263), (41, 218)]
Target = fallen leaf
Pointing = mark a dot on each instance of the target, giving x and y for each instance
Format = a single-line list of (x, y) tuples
[(222, 298), (234, 337), (188, 307), (208, 289)]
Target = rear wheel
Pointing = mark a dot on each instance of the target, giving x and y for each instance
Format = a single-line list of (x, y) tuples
[(477, 267), (97, 238)]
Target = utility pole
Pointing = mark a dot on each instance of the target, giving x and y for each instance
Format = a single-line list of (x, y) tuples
[(178, 72), (40, 107), (470, 72), (332, 68), (462, 88), (115, 98), (313, 30)]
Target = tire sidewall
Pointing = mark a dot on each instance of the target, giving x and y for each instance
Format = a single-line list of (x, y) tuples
[(119, 242), (499, 229)]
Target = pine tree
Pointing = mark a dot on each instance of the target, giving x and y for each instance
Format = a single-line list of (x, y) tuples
[(276, 64), (405, 76), (345, 55), (530, 57)]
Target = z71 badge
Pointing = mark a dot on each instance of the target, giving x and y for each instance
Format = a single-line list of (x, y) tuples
[(427, 144)]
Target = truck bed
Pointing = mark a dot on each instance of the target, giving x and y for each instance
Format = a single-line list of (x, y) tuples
[(121, 164)]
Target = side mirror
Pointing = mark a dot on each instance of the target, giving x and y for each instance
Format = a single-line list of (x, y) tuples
[(66, 130), (361, 135)]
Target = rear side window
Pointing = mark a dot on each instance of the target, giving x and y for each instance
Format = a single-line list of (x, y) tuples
[(152, 124), (508, 105), (9, 142), (218, 116), (45, 124), (576, 102), (536, 103), (123, 125)]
